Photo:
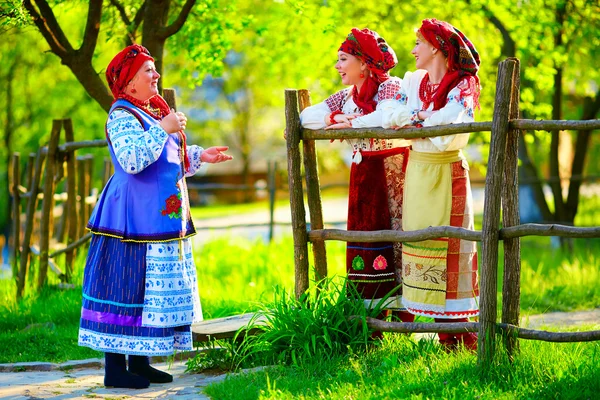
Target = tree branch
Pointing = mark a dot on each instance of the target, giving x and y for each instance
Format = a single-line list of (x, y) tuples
[(92, 28), (49, 27), (179, 21), (139, 17), (121, 11)]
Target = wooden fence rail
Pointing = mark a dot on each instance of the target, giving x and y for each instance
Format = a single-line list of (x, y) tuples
[(500, 191)]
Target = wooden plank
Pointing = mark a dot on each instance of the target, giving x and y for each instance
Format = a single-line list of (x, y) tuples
[(511, 286), (224, 328), (432, 232), (491, 217)]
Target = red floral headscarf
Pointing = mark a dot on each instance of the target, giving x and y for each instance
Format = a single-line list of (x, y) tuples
[(373, 50), (122, 69), (463, 59)]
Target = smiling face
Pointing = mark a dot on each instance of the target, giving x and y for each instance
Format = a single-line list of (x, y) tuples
[(145, 82), (424, 53), (350, 68)]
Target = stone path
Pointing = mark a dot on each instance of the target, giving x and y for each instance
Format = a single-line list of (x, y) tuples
[(83, 379)]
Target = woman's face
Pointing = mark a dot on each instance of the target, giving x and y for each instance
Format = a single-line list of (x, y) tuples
[(350, 68), (145, 82), (424, 53)]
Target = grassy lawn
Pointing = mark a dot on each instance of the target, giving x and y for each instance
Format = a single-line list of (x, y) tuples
[(238, 275)]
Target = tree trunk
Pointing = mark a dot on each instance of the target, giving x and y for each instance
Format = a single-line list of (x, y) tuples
[(156, 15)]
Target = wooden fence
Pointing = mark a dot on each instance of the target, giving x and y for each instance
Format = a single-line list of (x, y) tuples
[(501, 190), (36, 232)]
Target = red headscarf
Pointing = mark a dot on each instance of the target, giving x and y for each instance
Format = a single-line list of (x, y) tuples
[(120, 72), (373, 50), (463, 59)]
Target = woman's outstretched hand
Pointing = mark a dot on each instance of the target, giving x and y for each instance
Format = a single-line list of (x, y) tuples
[(215, 155)]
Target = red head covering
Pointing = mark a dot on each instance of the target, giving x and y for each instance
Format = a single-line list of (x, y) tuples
[(120, 72), (463, 59), (373, 50)]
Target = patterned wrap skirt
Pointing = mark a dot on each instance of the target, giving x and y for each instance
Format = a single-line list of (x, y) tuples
[(439, 276), (375, 203), (139, 298)]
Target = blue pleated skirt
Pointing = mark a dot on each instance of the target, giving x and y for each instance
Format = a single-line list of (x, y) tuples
[(139, 298)]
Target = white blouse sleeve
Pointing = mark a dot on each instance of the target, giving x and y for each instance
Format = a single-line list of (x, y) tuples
[(195, 156), (313, 117), (396, 111), (386, 93), (458, 109), (135, 149)]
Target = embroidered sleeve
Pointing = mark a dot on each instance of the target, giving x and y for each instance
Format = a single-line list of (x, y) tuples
[(336, 101), (386, 93), (458, 109), (134, 148), (388, 89), (195, 155), (397, 111)]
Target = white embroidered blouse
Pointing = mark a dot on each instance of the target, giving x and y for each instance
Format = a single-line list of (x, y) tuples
[(313, 117), (136, 149), (403, 111)]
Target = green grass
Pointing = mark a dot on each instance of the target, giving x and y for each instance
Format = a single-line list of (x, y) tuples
[(237, 275), (401, 368)]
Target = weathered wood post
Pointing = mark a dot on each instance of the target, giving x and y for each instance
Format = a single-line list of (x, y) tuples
[(89, 184), (29, 219), (71, 200), (48, 202), (107, 171), (313, 191), (271, 171), (511, 286), (16, 209), (491, 216), (81, 195), (292, 127)]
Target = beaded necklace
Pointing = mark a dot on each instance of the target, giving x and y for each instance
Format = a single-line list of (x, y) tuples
[(427, 91), (154, 112)]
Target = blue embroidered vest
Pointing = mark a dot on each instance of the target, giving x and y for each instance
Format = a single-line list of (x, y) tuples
[(147, 206)]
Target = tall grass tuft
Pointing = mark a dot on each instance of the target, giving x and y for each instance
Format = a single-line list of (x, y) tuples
[(317, 326)]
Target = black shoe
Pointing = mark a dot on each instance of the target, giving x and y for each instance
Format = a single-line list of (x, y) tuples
[(116, 375), (140, 365)]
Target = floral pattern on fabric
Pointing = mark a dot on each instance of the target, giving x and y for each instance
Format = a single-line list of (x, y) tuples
[(171, 296), (358, 263), (380, 263), (401, 97), (136, 345), (172, 206), (465, 102), (195, 155), (388, 89), (134, 148)]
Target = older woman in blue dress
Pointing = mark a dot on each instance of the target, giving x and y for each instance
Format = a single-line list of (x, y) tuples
[(140, 293)]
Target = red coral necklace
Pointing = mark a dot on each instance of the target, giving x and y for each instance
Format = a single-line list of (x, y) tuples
[(427, 91), (154, 112)]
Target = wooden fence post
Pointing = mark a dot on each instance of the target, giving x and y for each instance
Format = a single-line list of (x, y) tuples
[(48, 202), (81, 195), (511, 287), (29, 218), (313, 191), (71, 200), (271, 171), (171, 98), (89, 183), (16, 208), (491, 216), (292, 126)]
